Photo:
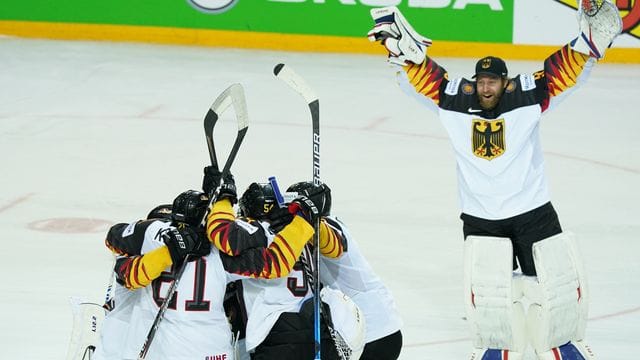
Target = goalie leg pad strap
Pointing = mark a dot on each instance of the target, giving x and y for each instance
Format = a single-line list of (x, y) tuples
[(558, 313), (496, 317)]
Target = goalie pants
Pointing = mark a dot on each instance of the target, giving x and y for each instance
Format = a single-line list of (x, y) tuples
[(386, 348), (292, 338), (523, 230)]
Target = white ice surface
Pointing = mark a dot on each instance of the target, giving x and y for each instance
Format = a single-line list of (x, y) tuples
[(97, 133)]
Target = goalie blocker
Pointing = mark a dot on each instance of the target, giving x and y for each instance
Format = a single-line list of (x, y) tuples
[(556, 319)]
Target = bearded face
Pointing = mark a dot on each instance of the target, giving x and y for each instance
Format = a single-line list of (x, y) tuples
[(490, 89)]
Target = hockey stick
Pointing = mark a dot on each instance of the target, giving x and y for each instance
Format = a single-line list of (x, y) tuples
[(296, 82), (233, 94)]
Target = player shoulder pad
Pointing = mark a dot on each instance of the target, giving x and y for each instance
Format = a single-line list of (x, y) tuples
[(527, 82)]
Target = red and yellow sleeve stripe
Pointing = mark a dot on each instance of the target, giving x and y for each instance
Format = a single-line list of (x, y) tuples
[(562, 69), (285, 249), (218, 221), (140, 271), (331, 244), (426, 78)]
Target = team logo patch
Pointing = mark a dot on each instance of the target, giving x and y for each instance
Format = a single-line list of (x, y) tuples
[(510, 87), (487, 138), (212, 6), (468, 89), (486, 63), (629, 10)]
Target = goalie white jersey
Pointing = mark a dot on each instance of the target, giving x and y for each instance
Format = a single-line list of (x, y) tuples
[(352, 274), (499, 158)]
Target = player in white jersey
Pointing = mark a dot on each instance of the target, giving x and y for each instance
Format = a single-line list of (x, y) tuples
[(279, 312), (120, 305), (493, 124), (194, 326), (351, 273)]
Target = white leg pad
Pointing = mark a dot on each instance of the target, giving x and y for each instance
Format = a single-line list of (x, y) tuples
[(558, 313), (491, 297), (85, 334)]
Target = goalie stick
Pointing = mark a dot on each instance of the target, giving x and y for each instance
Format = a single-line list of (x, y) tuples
[(233, 94), (295, 82)]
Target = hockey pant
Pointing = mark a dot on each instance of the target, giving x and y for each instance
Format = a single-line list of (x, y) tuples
[(292, 338)]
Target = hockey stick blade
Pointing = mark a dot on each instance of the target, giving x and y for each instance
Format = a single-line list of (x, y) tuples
[(295, 81), (234, 94), (291, 78)]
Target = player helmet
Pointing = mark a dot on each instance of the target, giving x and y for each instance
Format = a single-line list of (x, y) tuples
[(160, 212), (257, 201), (299, 187), (189, 207)]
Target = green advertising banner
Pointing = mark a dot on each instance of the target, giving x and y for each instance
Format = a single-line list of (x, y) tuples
[(452, 20)]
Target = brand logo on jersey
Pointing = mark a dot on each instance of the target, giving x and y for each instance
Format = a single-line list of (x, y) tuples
[(212, 6), (472, 110), (487, 139), (629, 10)]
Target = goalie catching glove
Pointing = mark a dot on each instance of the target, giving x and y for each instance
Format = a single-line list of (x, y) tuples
[(394, 32), (598, 28)]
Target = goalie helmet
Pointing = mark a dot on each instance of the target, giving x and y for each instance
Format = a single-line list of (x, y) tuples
[(189, 207), (257, 201), (301, 186)]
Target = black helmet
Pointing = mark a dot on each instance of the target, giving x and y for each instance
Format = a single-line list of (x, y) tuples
[(190, 207), (301, 186), (257, 201), (160, 212)]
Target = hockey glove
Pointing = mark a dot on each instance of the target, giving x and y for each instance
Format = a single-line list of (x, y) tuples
[(279, 218), (598, 29), (394, 32), (311, 203), (227, 190), (185, 241), (211, 180)]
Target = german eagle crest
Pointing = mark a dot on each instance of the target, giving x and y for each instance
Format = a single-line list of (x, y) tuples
[(488, 138)]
